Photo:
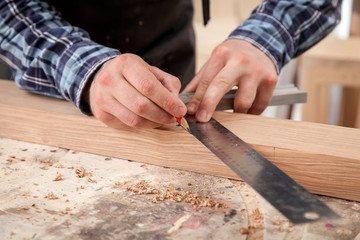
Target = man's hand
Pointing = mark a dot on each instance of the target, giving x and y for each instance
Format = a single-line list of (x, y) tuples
[(233, 63), (127, 92)]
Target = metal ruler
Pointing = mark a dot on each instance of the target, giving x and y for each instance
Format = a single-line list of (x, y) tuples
[(286, 195)]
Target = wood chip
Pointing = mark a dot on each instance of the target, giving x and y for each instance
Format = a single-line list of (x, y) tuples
[(256, 214), (90, 180), (80, 172), (107, 159), (244, 231), (24, 208), (51, 196), (58, 177)]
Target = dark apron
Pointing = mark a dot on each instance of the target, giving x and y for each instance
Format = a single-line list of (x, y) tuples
[(160, 31)]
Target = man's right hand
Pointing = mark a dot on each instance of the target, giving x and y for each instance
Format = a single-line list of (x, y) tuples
[(127, 92)]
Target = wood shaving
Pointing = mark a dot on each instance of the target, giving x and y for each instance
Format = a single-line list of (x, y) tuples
[(244, 231), (51, 196), (276, 220), (59, 166), (82, 187), (107, 159), (142, 187), (58, 177), (117, 183), (256, 214), (24, 208), (80, 172), (13, 157), (174, 195), (181, 173), (90, 180), (47, 161)]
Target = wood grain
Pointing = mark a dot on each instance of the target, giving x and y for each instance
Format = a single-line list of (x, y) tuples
[(325, 159)]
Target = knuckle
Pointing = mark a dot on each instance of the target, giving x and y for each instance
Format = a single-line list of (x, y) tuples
[(270, 80), (136, 122), (102, 117), (147, 87), (222, 82), (242, 58), (243, 104), (141, 106), (169, 103), (103, 78), (122, 59), (221, 51)]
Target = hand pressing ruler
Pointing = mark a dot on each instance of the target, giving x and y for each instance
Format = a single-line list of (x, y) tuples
[(281, 191), (282, 95)]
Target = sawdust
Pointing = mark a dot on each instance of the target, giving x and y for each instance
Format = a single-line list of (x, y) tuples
[(51, 196), (59, 166), (80, 172), (58, 177), (174, 195), (142, 187), (244, 231)]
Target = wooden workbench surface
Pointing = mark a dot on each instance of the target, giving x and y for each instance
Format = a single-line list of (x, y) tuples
[(103, 204)]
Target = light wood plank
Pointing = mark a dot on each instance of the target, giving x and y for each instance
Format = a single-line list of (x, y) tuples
[(323, 158)]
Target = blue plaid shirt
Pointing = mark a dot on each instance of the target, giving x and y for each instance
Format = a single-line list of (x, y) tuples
[(50, 57)]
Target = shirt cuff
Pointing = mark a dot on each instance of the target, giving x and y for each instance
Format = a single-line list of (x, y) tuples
[(77, 66)]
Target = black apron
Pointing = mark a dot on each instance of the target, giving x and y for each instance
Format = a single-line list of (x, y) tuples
[(159, 31)]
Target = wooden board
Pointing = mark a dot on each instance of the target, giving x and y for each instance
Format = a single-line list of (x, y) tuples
[(325, 159)]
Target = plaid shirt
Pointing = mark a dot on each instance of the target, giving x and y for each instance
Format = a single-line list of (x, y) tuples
[(50, 57)]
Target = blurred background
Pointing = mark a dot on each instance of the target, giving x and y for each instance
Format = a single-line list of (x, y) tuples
[(330, 71)]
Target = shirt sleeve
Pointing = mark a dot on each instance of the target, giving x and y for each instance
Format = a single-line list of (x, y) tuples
[(284, 29), (47, 55)]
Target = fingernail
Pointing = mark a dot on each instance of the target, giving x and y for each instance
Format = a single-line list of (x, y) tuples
[(180, 111), (201, 116), (191, 108)]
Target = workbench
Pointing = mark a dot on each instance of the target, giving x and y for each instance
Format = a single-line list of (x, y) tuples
[(48, 192)]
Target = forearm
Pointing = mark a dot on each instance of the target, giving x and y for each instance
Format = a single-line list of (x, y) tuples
[(47, 55), (285, 29)]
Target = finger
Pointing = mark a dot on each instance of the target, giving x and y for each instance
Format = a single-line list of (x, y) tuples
[(149, 86), (263, 97), (139, 104), (210, 71), (169, 81), (222, 83), (245, 94), (123, 117), (110, 120)]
